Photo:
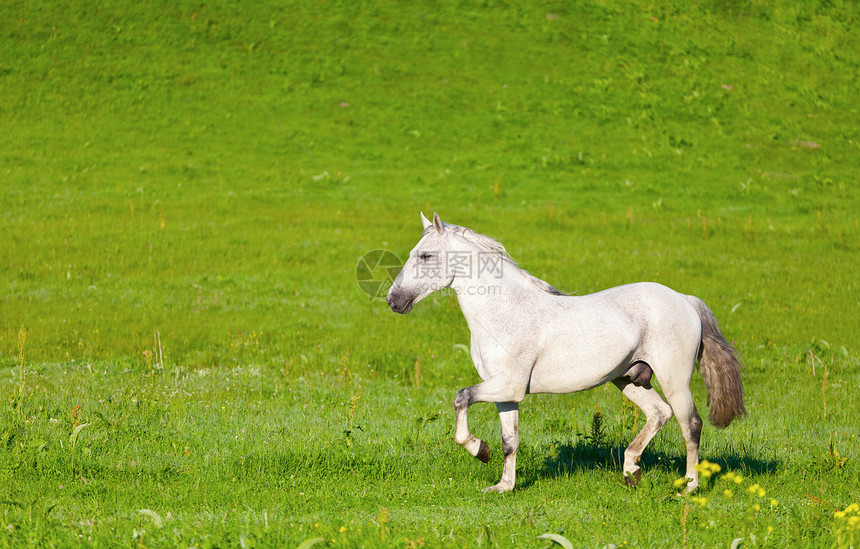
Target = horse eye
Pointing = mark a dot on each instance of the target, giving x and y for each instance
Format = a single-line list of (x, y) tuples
[(425, 257)]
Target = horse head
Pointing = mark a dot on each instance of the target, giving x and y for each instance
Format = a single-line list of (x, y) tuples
[(425, 271)]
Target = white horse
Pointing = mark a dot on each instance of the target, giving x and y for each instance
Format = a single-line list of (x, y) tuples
[(528, 337)]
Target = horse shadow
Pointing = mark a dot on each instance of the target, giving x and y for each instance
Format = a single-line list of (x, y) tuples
[(563, 459)]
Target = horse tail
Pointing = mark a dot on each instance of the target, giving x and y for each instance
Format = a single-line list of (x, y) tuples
[(721, 369)]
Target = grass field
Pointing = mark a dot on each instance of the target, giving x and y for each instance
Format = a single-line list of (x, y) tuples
[(187, 360)]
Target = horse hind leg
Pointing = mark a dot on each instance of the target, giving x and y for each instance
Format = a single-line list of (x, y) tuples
[(657, 413), (685, 410)]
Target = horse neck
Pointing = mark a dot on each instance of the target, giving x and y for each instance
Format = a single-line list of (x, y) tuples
[(486, 294)]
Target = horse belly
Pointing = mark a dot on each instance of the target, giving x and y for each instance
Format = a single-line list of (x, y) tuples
[(569, 367)]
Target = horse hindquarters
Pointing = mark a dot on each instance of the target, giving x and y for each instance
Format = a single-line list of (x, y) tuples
[(674, 337), (720, 370)]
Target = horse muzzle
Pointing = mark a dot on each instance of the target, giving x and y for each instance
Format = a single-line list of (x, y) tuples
[(400, 302)]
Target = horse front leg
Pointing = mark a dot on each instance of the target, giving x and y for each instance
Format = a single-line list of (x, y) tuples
[(506, 395), (462, 436), (509, 419)]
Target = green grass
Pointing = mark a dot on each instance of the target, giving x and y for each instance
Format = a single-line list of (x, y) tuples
[(213, 172)]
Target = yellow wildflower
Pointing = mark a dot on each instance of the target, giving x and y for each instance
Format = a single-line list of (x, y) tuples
[(728, 493), (679, 482), (706, 468)]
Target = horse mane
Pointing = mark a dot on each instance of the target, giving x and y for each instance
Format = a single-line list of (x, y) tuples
[(486, 244)]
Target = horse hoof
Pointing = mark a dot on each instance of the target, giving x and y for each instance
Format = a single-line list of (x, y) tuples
[(686, 492), (498, 488), (632, 479), (483, 452)]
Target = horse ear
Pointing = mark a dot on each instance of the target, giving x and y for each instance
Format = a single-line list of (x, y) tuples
[(424, 221), (437, 223)]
